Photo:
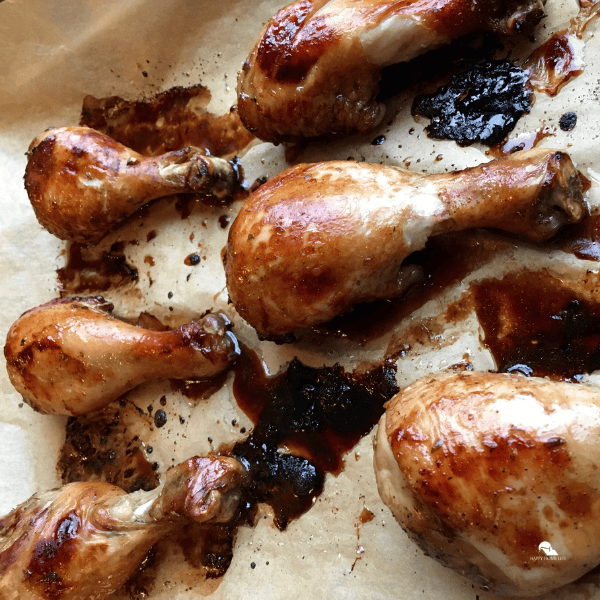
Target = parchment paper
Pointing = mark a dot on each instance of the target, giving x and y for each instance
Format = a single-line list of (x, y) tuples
[(53, 53)]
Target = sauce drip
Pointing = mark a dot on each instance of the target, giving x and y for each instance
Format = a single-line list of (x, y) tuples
[(536, 324), (583, 239), (525, 141)]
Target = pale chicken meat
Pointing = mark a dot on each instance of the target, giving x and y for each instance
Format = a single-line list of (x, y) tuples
[(84, 540), (71, 356), (496, 476), (81, 183), (316, 65), (319, 238)]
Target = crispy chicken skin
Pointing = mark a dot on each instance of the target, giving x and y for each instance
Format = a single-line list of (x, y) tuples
[(319, 238), (70, 356), (481, 468), (81, 183), (84, 540), (316, 65)]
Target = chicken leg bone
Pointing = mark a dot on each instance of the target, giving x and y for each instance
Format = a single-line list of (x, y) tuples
[(71, 356), (319, 238), (81, 183), (481, 469), (84, 540)]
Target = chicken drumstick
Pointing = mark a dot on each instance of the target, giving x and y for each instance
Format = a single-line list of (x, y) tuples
[(481, 469), (81, 183), (318, 239), (316, 66), (84, 540), (70, 356)]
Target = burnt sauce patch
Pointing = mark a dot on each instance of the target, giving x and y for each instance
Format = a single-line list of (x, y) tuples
[(101, 446), (482, 104), (306, 419)]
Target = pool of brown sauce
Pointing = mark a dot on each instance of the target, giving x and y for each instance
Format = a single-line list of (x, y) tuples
[(537, 324)]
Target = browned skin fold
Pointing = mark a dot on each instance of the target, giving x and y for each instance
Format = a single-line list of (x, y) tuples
[(84, 540), (70, 356), (317, 239), (316, 65), (81, 183), (481, 468)]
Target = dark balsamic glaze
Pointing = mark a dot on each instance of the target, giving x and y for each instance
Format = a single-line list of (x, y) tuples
[(536, 324), (568, 121), (317, 415), (482, 104)]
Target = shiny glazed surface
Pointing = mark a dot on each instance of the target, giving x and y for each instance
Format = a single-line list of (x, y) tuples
[(319, 238), (316, 65), (82, 541), (70, 356), (81, 183), (482, 468)]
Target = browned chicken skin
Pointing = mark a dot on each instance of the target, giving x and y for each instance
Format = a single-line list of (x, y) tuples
[(317, 63), (70, 356), (317, 239), (84, 540), (484, 470), (81, 183)]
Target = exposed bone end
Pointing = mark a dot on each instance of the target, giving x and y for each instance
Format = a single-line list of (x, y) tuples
[(525, 18), (213, 175), (561, 201), (191, 170), (206, 490)]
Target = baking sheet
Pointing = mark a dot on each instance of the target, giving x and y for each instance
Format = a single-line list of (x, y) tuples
[(54, 53)]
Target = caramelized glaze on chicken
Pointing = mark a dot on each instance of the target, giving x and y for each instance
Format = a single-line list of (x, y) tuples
[(316, 65), (481, 469), (318, 239), (81, 183), (70, 356), (84, 540)]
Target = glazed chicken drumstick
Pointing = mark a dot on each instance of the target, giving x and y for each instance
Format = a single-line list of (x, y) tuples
[(81, 183), (319, 238), (484, 470), (84, 540), (70, 356), (316, 65)]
